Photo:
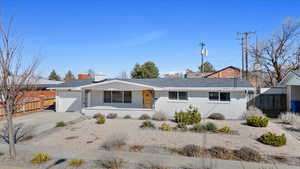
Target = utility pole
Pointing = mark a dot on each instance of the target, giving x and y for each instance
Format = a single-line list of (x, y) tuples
[(202, 44), (245, 37), (243, 60)]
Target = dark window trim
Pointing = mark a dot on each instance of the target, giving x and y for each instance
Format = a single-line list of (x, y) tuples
[(177, 96), (219, 96), (111, 97)]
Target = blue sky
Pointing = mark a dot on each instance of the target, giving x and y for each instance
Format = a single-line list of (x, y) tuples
[(111, 36)]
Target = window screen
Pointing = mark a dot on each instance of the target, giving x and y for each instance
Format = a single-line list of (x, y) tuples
[(225, 96), (127, 96), (173, 95), (117, 97), (213, 95), (107, 96), (183, 95)]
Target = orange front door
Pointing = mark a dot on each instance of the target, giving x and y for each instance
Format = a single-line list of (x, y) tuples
[(148, 97)]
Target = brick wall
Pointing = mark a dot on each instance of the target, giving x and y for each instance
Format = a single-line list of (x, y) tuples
[(226, 73)]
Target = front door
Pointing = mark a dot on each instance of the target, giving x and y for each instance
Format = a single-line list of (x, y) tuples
[(148, 98)]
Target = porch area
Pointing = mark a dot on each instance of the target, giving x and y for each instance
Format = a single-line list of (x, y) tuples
[(105, 110)]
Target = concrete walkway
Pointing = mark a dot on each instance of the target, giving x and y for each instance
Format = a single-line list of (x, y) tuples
[(173, 161), (45, 120)]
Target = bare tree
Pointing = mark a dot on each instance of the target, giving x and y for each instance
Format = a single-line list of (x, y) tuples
[(280, 53), (15, 77)]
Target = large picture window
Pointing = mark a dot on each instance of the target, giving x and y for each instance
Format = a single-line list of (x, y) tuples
[(174, 95), (219, 96), (117, 97)]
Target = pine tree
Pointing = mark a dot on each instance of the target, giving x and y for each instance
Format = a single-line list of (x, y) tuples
[(54, 76), (69, 76)]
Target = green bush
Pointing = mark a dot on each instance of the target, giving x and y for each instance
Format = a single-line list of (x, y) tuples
[(100, 119), (60, 124), (225, 129), (204, 127), (273, 139), (165, 127), (1, 153), (40, 158), (188, 117), (257, 121), (76, 162), (182, 126), (127, 116), (147, 124)]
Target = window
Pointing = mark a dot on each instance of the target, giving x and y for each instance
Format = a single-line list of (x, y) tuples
[(183, 95), (107, 96), (219, 96), (117, 96), (127, 96), (225, 96), (213, 95), (173, 95), (178, 95)]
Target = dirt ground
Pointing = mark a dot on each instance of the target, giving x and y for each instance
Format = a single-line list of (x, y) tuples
[(89, 135)]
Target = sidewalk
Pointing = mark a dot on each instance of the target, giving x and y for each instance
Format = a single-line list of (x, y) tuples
[(173, 161)]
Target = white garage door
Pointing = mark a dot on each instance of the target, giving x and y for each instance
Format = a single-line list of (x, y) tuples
[(68, 101)]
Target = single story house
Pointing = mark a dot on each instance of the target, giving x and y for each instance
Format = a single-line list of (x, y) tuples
[(292, 83), (228, 96)]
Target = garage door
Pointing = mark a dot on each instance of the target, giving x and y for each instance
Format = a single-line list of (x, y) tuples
[(68, 101)]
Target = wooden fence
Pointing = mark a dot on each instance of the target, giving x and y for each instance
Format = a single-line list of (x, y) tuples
[(32, 106), (271, 104)]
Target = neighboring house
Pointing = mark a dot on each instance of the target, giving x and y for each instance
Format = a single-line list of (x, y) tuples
[(292, 83), (138, 96), (190, 74), (227, 72)]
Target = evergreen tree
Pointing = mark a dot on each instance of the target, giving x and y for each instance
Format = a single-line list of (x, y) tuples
[(207, 67), (69, 76), (54, 76)]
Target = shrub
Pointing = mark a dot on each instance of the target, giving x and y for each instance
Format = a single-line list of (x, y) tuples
[(76, 162), (273, 139), (147, 124), (115, 142), (204, 127), (216, 116), (165, 127), (40, 158), (288, 117), (136, 148), (100, 119), (97, 115), (210, 126), (252, 111), (198, 128), (248, 154), (188, 117), (60, 124), (218, 151), (144, 117), (112, 115), (1, 153), (21, 133), (159, 116), (113, 163), (127, 117), (257, 121), (191, 150), (182, 126), (225, 129)]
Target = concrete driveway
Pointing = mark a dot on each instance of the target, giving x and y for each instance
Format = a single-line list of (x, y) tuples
[(45, 120)]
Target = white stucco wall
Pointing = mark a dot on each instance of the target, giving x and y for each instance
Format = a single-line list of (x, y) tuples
[(68, 100), (97, 99), (230, 109)]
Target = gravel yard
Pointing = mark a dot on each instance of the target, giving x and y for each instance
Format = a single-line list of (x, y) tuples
[(89, 135)]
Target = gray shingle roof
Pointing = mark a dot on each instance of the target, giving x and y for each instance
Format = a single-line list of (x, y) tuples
[(169, 82)]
